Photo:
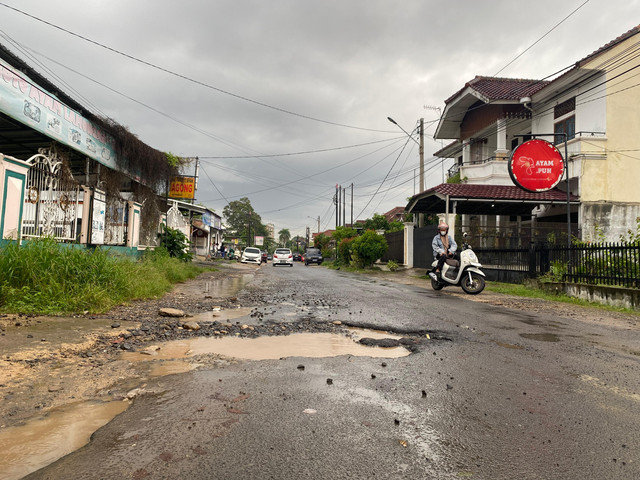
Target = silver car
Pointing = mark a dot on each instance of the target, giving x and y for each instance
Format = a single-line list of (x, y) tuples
[(251, 255), (282, 256)]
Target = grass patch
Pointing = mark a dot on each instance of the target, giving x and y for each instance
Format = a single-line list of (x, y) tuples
[(44, 277), (520, 290)]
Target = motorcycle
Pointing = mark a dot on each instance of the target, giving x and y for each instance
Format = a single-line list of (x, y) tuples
[(465, 272)]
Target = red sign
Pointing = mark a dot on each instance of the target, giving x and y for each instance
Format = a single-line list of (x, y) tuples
[(536, 166)]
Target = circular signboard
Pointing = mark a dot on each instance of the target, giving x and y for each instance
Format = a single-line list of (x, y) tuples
[(536, 166)]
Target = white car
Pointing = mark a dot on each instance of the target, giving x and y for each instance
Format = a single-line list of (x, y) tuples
[(251, 255), (282, 256)]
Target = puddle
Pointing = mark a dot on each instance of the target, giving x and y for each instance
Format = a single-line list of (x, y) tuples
[(217, 287), (541, 337), (43, 440), (310, 345), (221, 315), (509, 345)]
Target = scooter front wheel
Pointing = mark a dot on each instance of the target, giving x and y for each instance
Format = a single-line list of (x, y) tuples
[(436, 285), (472, 283)]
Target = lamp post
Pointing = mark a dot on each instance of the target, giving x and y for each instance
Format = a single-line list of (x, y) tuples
[(420, 145), (421, 151)]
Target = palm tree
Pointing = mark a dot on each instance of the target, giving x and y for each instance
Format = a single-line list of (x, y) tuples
[(284, 236)]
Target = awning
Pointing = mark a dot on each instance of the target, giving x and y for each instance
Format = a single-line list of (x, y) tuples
[(473, 199)]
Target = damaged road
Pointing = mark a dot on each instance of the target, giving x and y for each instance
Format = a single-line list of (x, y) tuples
[(492, 387)]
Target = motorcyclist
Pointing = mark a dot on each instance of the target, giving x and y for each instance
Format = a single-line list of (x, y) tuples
[(444, 246)]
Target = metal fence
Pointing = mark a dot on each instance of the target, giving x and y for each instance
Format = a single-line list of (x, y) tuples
[(51, 204), (616, 264), (395, 250)]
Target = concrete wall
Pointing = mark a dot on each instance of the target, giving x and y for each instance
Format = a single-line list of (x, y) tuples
[(614, 296)]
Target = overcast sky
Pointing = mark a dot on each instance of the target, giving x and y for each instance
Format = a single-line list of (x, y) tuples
[(283, 99)]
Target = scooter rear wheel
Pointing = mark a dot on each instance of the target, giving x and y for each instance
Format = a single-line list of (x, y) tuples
[(472, 283)]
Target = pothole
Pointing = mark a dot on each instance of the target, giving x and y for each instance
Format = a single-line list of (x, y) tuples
[(310, 345), (43, 440)]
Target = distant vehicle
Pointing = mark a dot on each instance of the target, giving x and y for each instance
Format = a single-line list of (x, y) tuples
[(297, 257), (312, 255), (251, 255), (269, 257), (282, 256), (265, 257)]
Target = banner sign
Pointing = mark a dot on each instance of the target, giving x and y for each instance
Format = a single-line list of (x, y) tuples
[(98, 217), (22, 100), (536, 166), (183, 187), (259, 241)]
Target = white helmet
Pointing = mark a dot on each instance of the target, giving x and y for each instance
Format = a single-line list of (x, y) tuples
[(443, 226)]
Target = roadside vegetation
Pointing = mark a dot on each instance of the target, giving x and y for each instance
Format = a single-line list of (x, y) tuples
[(44, 277), (521, 290)]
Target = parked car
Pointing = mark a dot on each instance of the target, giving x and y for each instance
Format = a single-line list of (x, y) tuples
[(251, 255), (312, 255), (265, 257), (297, 257), (282, 256)]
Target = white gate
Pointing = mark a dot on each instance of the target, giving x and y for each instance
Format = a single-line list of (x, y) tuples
[(51, 200)]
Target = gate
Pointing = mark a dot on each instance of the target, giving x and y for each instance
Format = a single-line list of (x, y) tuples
[(422, 251), (51, 199), (395, 249)]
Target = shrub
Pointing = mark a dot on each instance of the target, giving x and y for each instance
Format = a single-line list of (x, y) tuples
[(393, 266), (176, 243), (367, 248)]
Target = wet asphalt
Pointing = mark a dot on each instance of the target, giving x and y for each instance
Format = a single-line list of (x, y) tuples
[(493, 393)]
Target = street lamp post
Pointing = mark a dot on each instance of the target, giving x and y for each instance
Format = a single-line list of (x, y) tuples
[(421, 151)]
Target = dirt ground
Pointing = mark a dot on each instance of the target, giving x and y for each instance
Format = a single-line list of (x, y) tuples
[(47, 362)]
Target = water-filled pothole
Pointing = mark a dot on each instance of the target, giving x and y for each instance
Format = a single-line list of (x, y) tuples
[(43, 440), (311, 345)]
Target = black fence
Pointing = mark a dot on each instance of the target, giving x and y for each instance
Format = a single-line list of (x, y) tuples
[(395, 251), (422, 250), (616, 264)]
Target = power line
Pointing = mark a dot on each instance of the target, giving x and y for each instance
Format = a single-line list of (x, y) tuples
[(189, 79), (542, 37)]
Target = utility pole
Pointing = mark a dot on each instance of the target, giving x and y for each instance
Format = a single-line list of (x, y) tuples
[(344, 205), (318, 223), (339, 205), (335, 202), (421, 215), (193, 200), (352, 205)]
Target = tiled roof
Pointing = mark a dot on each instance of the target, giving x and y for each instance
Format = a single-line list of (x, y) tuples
[(496, 192), (495, 88), (612, 43)]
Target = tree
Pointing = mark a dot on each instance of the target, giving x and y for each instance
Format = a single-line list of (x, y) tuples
[(284, 236), (378, 222), (242, 221)]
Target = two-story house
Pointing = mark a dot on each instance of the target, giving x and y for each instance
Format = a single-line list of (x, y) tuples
[(594, 107)]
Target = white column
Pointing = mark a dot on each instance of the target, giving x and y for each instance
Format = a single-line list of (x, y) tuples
[(408, 244), (501, 139)]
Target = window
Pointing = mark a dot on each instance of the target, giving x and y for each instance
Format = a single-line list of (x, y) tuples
[(565, 120), (567, 126)]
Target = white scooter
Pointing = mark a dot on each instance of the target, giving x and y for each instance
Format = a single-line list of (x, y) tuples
[(465, 273)]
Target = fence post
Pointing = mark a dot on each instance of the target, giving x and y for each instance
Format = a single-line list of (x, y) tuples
[(408, 244), (532, 260)]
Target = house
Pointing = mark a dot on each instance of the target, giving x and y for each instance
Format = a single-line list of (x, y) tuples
[(396, 214), (591, 111), (597, 105)]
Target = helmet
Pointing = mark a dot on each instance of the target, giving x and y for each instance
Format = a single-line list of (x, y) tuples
[(443, 226)]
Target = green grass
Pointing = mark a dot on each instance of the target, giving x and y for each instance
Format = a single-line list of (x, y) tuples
[(520, 290), (43, 277)]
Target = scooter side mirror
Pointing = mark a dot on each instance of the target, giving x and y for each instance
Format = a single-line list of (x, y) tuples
[(465, 234)]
